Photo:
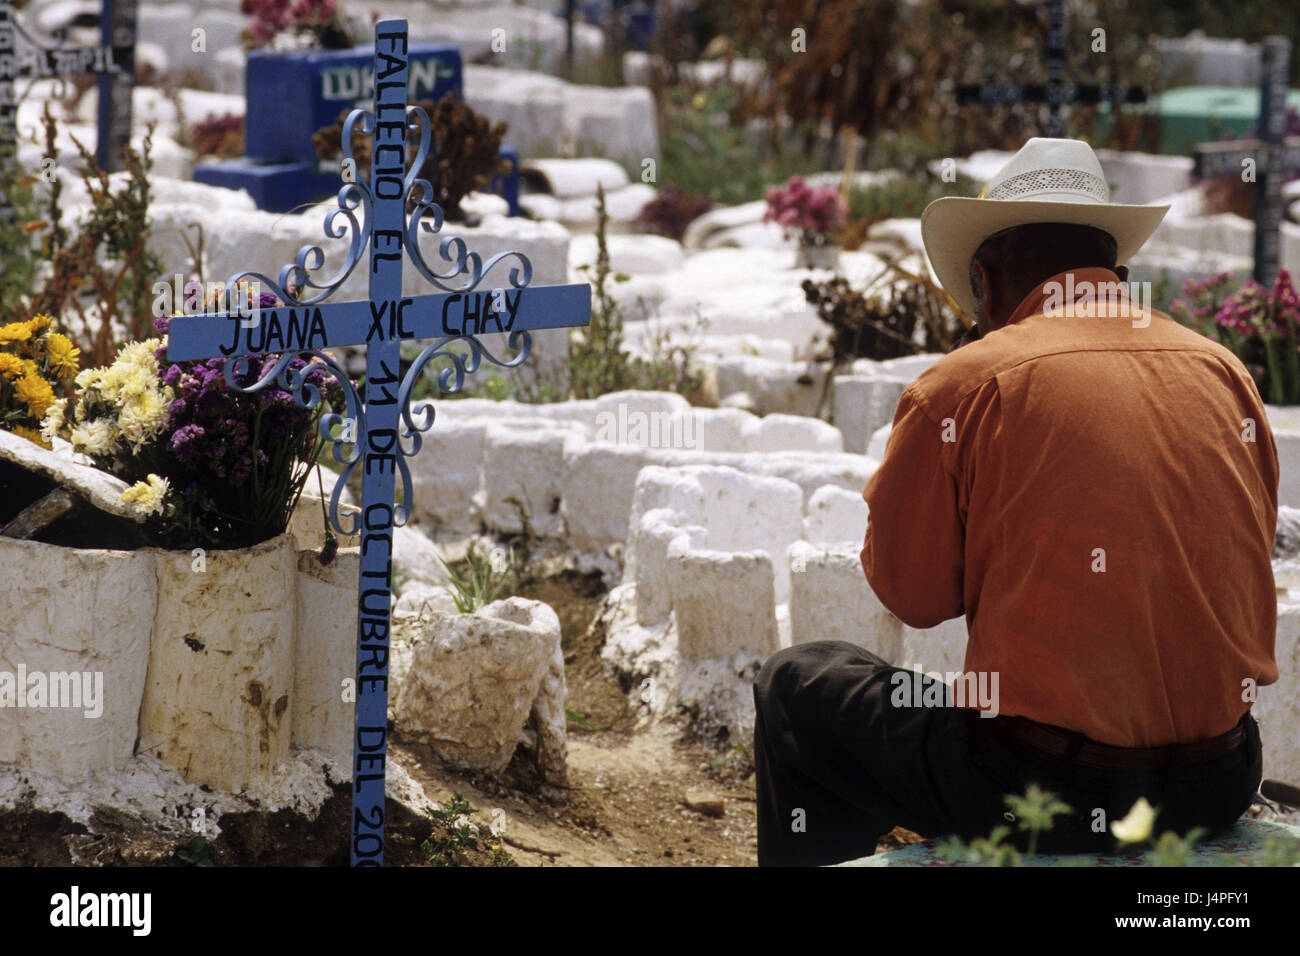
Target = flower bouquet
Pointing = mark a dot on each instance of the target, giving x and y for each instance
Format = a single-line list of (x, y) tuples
[(34, 361), (210, 466), (815, 214), (1260, 326), (316, 22)]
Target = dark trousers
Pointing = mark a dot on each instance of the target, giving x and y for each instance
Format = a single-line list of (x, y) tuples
[(839, 765)]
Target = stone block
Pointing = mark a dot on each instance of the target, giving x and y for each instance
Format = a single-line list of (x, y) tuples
[(69, 612), (835, 516), (572, 178), (1288, 460), (723, 601), (662, 488), (941, 648), (1143, 177), (657, 530), (772, 386), (599, 486), (746, 512), (218, 697), (909, 366), (447, 473), (635, 255), (476, 680), (777, 432), (1278, 707), (830, 600), (879, 442), (809, 472), (415, 558), (528, 465), (862, 404), (714, 429), (325, 652)]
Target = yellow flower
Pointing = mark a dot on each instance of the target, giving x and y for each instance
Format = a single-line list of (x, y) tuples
[(31, 434), (146, 497), (1135, 827), (64, 358), (34, 392), (39, 323), (15, 332), (11, 366)]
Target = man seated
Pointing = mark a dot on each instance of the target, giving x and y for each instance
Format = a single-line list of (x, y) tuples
[(1094, 487)]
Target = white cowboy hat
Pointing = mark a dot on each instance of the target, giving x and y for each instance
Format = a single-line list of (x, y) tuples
[(1049, 180)]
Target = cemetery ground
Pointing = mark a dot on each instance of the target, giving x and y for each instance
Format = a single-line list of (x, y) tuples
[(625, 802), (681, 477)]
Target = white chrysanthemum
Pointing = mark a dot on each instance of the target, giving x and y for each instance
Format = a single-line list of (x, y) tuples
[(147, 497), (140, 355), (143, 415), (89, 378), (97, 437), (52, 423), (1137, 826)]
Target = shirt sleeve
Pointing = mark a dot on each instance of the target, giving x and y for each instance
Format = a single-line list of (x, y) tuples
[(913, 554)]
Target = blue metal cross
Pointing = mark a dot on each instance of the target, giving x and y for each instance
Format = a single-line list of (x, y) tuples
[(385, 432)]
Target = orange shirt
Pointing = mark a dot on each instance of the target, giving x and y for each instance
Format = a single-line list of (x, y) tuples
[(1084, 489)]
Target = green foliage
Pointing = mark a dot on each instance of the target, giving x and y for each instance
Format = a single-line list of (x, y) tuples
[(461, 836), (579, 721), (598, 360), (1280, 851), (449, 850), (192, 853), (487, 578), (1170, 849), (982, 851), (703, 152), (21, 262), (1034, 812)]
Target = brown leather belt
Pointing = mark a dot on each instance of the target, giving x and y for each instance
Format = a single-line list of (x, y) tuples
[(1075, 748)]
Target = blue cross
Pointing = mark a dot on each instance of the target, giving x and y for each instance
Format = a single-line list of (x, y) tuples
[(384, 431)]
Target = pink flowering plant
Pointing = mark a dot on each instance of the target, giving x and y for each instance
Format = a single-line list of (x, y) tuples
[(321, 22), (813, 213), (1260, 326)]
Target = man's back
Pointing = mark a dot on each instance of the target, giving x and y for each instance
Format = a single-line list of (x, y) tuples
[(1099, 496)]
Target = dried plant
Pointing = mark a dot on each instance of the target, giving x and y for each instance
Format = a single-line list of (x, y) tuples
[(671, 211), (220, 136), (881, 321), (99, 281), (465, 155)]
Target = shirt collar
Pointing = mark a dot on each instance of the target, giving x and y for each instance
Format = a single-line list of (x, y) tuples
[(1069, 286)]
